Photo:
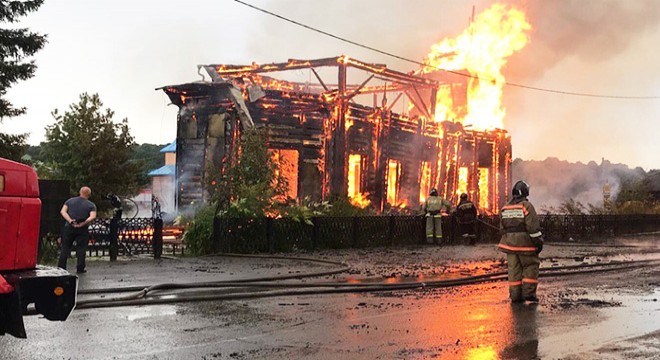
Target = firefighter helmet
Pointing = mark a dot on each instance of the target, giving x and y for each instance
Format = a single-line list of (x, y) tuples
[(520, 189), (434, 192), (464, 196)]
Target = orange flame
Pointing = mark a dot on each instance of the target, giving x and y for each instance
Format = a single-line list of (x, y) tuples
[(425, 181), (393, 173), (481, 50), (348, 123), (462, 181), (287, 166), (360, 200), (355, 196), (483, 188), (272, 84), (169, 234)]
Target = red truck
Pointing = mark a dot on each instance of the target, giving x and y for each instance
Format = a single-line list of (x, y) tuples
[(22, 282)]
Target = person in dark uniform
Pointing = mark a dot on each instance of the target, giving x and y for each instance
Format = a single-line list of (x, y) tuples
[(466, 217), (78, 212)]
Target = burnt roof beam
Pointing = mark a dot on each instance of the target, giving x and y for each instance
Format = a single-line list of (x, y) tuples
[(292, 64), (417, 105), (215, 70), (357, 91), (396, 99), (427, 111), (318, 77), (392, 74)]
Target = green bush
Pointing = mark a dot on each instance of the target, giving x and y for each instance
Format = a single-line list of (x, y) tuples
[(343, 207), (198, 237), (49, 247)]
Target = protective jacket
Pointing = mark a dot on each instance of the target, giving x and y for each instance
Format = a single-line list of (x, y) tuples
[(434, 204), (466, 212), (520, 227)]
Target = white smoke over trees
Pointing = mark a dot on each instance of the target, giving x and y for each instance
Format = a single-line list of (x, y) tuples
[(555, 183)]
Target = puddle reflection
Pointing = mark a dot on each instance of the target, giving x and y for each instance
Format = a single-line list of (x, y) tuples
[(504, 331), (524, 342), (481, 325)]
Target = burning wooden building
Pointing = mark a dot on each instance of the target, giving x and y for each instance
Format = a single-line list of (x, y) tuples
[(340, 139)]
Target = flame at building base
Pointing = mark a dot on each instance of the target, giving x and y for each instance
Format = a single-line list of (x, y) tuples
[(359, 200)]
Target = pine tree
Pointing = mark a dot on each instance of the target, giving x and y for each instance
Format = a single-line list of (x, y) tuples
[(16, 45), (12, 146)]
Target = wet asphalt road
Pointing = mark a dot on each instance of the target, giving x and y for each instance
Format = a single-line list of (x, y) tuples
[(602, 316)]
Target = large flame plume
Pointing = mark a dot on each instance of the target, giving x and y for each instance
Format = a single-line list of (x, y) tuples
[(481, 50)]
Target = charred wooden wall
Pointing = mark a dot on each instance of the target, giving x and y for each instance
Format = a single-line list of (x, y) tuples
[(296, 122), (208, 129)]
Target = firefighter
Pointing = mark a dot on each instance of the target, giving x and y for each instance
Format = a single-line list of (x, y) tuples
[(466, 216), (433, 207), (522, 241)]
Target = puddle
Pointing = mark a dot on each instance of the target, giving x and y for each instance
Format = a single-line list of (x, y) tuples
[(634, 317), (622, 257), (484, 267), (435, 273), (601, 259), (143, 312)]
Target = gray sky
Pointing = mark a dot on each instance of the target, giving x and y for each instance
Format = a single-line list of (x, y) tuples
[(125, 49)]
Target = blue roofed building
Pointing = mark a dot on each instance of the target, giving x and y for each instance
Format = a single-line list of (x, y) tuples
[(163, 181)]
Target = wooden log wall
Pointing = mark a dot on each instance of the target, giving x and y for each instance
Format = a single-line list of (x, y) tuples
[(296, 122), (307, 124)]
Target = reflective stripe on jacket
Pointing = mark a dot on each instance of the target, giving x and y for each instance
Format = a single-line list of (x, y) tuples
[(520, 224), (434, 205), (466, 212)]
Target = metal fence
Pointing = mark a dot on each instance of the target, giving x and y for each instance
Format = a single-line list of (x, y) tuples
[(254, 235), (579, 227), (274, 235), (115, 237)]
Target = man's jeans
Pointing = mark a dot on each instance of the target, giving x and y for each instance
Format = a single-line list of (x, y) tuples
[(70, 235)]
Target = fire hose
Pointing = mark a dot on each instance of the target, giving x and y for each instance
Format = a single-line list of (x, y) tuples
[(263, 287), (487, 224)]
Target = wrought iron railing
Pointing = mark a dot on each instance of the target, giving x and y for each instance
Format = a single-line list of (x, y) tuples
[(126, 237), (253, 235), (269, 235)]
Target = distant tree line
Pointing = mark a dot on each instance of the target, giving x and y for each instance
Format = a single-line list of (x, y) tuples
[(147, 156), (561, 187)]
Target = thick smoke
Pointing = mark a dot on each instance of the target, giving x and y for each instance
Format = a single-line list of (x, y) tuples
[(553, 182), (591, 30)]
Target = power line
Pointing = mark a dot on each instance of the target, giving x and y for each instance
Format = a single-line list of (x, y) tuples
[(399, 57)]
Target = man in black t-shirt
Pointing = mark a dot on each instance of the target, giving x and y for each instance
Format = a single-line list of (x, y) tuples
[(78, 212)]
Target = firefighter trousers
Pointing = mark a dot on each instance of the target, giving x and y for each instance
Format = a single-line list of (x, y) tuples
[(433, 228), (523, 275)]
